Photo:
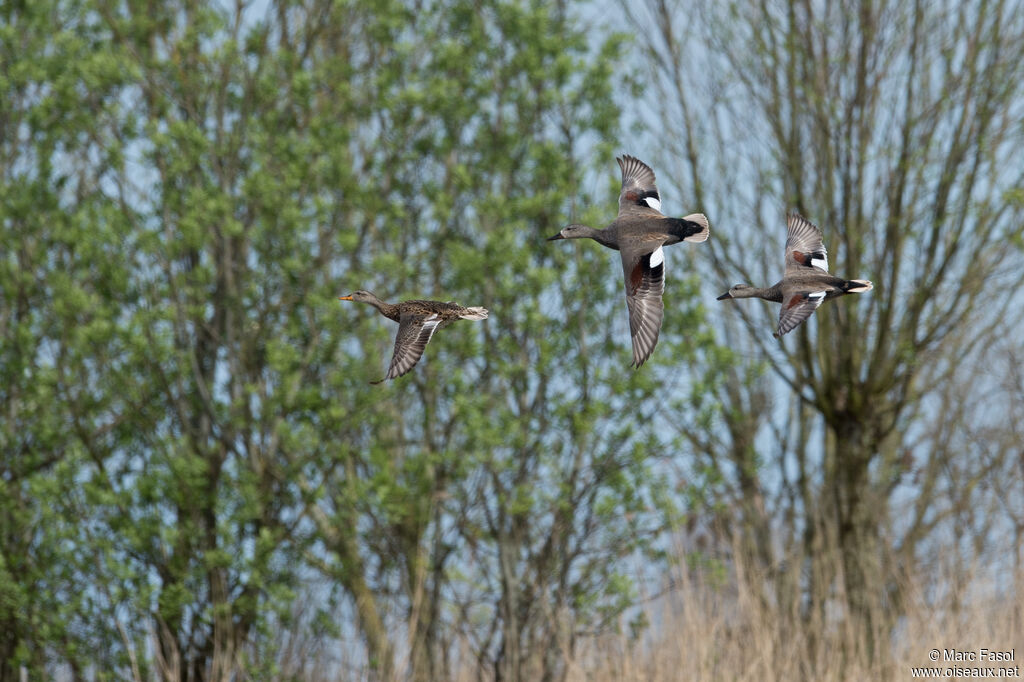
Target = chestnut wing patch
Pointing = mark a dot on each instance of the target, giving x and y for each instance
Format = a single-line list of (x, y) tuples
[(817, 259), (797, 308)]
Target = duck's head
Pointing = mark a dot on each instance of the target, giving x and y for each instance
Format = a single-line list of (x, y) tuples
[(736, 291), (361, 296), (574, 231)]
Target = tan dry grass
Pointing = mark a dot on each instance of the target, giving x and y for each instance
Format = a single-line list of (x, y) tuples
[(707, 632)]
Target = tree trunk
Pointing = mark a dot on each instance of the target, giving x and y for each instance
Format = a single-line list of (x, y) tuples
[(858, 518)]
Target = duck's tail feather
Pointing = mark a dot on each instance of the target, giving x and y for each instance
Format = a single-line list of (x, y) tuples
[(701, 222), (476, 313), (858, 286)]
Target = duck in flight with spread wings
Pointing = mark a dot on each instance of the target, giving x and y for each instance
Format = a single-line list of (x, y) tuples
[(806, 282), (639, 234), (417, 322)]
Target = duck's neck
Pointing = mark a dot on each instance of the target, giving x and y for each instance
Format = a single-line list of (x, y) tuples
[(772, 293), (388, 310), (603, 237)]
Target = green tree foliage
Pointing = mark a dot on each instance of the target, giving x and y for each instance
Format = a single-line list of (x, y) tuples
[(190, 447), (64, 284)]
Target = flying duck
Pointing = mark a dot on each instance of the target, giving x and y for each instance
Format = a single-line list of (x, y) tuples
[(805, 282), (639, 234), (417, 322)]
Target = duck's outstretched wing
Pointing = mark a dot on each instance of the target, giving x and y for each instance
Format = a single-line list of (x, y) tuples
[(804, 248), (414, 332), (644, 270), (796, 308), (639, 193)]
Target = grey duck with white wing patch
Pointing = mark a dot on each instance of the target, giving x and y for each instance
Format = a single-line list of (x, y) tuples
[(639, 233), (417, 322), (806, 281)]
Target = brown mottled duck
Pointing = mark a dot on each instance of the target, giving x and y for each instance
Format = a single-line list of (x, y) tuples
[(417, 322)]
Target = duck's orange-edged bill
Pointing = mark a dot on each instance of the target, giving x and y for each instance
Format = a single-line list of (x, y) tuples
[(344, 298)]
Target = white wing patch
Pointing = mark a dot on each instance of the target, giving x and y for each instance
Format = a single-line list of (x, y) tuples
[(657, 256), (430, 326), (815, 295), (653, 203), (820, 263)]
